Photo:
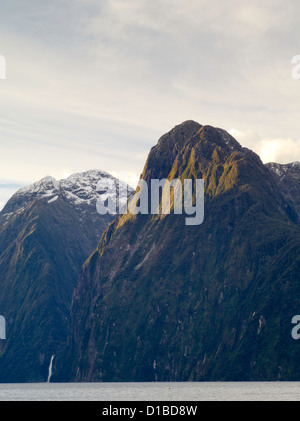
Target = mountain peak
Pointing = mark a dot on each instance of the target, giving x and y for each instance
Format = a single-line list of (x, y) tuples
[(90, 174), (179, 134), (79, 189), (182, 133), (48, 179), (169, 286), (188, 126), (187, 134), (44, 184)]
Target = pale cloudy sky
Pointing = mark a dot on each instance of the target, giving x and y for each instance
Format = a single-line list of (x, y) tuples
[(94, 84)]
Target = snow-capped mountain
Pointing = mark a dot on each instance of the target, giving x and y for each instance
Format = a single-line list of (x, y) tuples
[(47, 231), (82, 190), (285, 169)]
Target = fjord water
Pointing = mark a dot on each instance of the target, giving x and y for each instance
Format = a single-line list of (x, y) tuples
[(148, 392)]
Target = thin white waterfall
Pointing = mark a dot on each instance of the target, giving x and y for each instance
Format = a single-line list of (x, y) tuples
[(50, 369), (2, 328)]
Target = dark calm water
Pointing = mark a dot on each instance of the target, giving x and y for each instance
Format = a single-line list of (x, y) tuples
[(148, 392)]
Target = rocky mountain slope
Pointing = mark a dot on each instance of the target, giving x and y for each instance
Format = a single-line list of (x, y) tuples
[(159, 300), (287, 176), (47, 231)]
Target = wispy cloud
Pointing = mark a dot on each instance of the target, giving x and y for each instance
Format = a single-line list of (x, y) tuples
[(94, 84)]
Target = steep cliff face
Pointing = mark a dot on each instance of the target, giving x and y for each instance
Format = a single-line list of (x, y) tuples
[(47, 231), (159, 300)]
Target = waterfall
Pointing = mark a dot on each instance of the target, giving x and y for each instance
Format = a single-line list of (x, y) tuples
[(50, 369), (2, 328)]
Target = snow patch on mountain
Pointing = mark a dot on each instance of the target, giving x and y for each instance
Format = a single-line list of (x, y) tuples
[(82, 190), (284, 169), (53, 200)]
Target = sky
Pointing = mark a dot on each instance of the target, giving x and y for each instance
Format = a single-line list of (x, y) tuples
[(93, 84)]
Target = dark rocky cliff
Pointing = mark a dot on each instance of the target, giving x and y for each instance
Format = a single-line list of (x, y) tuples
[(159, 300), (47, 231)]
